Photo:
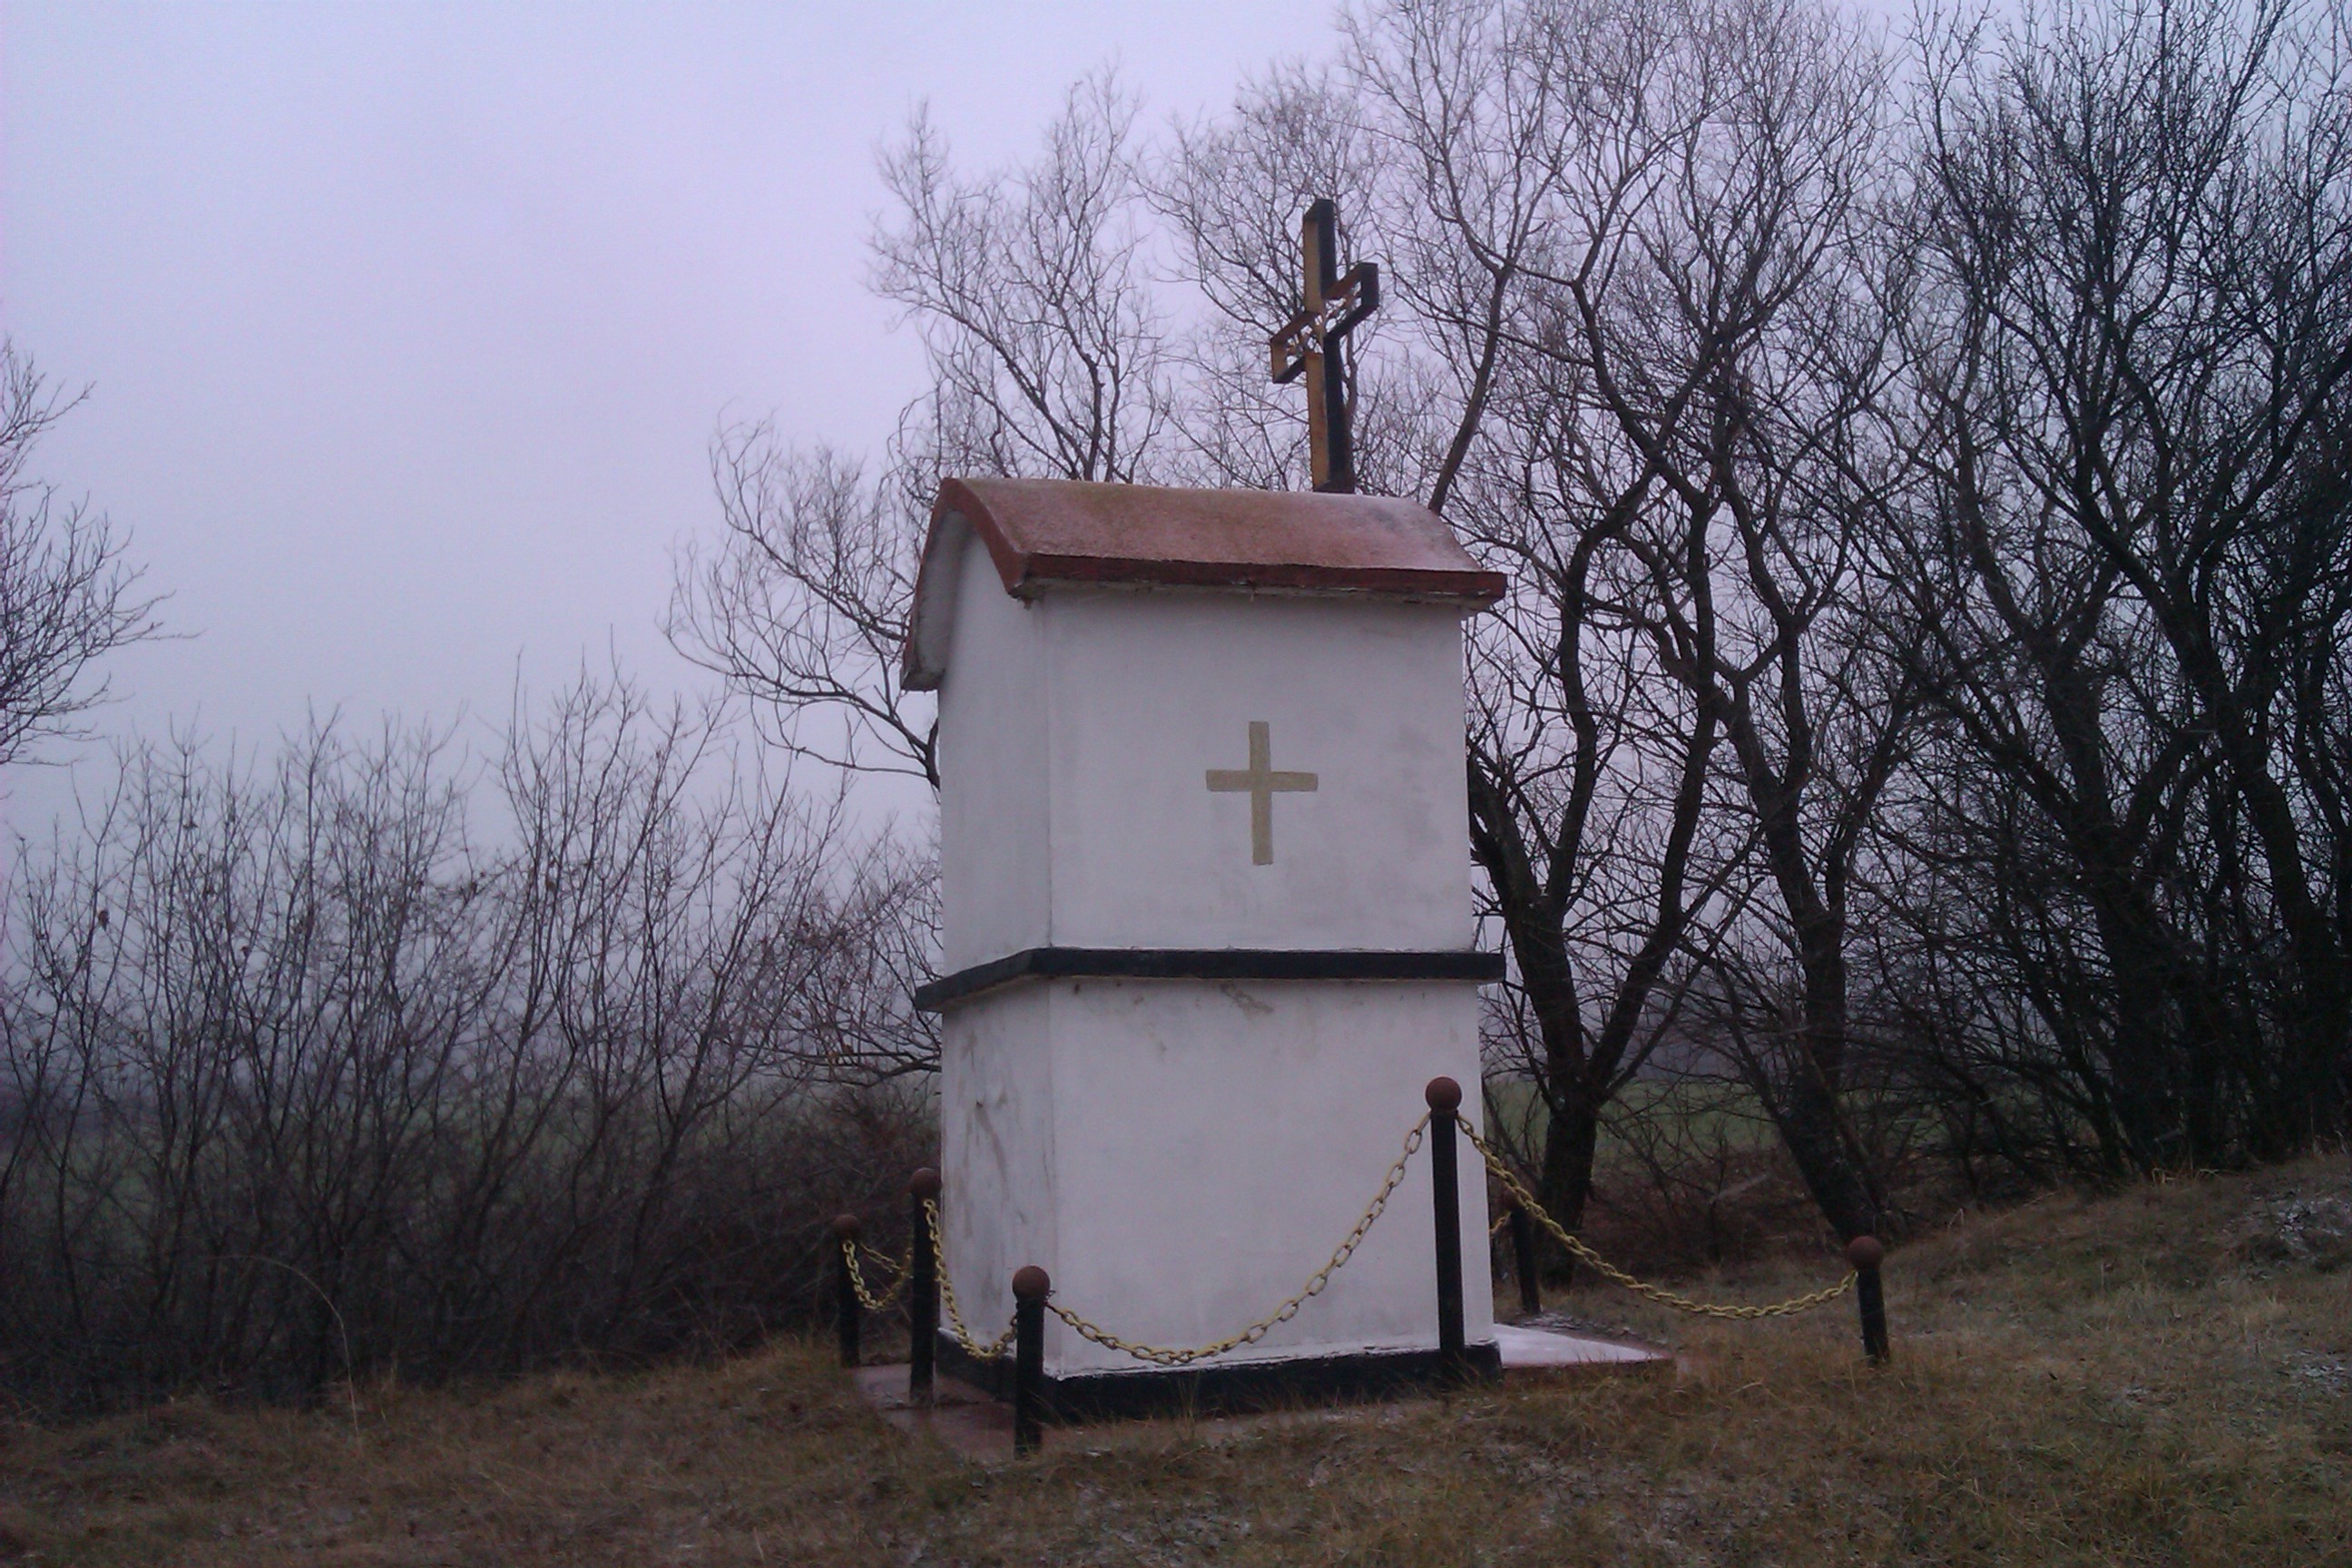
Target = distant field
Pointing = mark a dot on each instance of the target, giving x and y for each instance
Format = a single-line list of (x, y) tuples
[(1686, 1169), (2159, 1377)]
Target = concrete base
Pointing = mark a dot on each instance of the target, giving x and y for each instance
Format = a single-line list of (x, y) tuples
[(1228, 1389), (1534, 1350), (967, 1421)]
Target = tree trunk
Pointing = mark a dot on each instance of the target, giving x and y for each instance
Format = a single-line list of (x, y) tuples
[(1569, 1142)]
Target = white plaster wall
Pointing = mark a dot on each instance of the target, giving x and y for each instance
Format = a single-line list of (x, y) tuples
[(1000, 1191), (1180, 1155), (1212, 1142), (995, 876), (1149, 690)]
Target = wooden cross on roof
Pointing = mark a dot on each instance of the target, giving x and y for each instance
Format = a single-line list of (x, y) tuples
[(1313, 343)]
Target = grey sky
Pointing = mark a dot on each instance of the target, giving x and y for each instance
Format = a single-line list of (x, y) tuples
[(408, 327)]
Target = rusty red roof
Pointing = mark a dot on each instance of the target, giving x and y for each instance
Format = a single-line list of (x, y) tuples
[(1047, 533)]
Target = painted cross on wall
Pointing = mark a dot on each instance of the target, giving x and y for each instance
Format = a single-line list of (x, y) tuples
[(1261, 783)]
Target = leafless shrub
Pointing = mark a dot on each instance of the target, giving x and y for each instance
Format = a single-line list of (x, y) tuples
[(308, 1074), (67, 592)]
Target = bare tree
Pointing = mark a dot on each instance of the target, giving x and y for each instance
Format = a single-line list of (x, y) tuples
[(805, 602), (1586, 789), (1551, 386), (1232, 190), (1926, 533), (1626, 220), (2136, 225), (1730, 341), (1471, 98), (68, 593), (1048, 357), (1032, 297)]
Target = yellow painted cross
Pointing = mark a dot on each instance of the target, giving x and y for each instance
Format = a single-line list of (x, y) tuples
[(1261, 783)]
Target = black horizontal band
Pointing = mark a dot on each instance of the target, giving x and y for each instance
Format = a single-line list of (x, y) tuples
[(1204, 964), (1229, 1388)]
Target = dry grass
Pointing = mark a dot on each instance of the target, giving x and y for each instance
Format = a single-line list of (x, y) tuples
[(2116, 1381)]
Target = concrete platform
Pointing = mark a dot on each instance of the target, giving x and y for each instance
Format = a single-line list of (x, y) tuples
[(979, 1428), (1529, 1349), (969, 1422)]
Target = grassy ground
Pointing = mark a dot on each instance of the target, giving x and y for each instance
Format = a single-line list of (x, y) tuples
[(2147, 1379)]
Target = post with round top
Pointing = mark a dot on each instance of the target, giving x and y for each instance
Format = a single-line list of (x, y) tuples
[(1866, 1253), (922, 1284), (845, 1231), (1030, 1289), (1523, 1259), (1444, 1097)]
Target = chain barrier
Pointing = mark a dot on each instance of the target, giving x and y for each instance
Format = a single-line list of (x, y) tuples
[(1159, 1356), (866, 1298), (1610, 1271), (1003, 1344), (1414, 1138)]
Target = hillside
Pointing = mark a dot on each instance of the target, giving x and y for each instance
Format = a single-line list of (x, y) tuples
[(2156, 1377)]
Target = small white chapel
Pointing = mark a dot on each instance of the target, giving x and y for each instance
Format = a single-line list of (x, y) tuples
[(1207, 922)]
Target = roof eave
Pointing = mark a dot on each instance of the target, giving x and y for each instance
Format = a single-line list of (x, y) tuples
[(960, 515), (1471, 591)]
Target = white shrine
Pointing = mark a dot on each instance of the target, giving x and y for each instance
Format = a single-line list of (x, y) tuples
[(1207, 921)]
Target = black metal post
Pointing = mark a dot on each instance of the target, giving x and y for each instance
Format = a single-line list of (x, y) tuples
[(845, 1231), (1523, 1260), (1030, 1289), (1444, 1097), (1866, 1253), (922, 1286)]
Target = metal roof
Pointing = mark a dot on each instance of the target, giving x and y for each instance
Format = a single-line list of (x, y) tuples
[(1047, 533)]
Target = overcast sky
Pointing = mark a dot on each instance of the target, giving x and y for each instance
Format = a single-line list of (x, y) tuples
[(407, 327)]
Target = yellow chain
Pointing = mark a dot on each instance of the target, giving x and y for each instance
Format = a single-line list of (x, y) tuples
[(971, 1347), (1610, 1271), (1282, 1314), (1321, 1278), (866, 1298)]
